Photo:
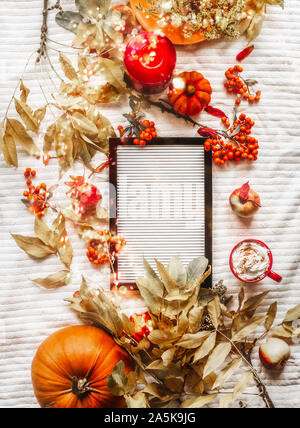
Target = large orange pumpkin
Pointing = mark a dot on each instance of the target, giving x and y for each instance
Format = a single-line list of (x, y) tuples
[(71, 366), (190, 93)]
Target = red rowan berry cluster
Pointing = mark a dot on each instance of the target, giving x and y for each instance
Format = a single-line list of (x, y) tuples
[(240, 146), (143, 325), (142, 131), (242, 88), (36, 195), (106, 248)]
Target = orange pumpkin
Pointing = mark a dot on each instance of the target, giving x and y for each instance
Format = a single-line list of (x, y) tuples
[(71, 366), (190, 93)]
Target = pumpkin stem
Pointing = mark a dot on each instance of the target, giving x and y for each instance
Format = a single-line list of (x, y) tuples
[(190, 90), (80, 386)]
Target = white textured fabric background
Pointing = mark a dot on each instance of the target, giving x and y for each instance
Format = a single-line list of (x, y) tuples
[(28, 314)]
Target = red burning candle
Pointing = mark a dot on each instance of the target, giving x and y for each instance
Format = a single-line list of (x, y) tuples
[(150, 60)]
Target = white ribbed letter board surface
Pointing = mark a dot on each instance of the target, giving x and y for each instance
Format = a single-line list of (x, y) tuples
[(160, 202)]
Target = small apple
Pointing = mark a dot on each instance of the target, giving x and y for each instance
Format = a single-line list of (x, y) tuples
[(274, 353), (244, 201)]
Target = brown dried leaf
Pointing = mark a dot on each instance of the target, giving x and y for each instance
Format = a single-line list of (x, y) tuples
[(113, 71), (137, 401), (281, 332), (117, 381), (20, 136), (239, 388), (34, 247), (84, 125), (198, 402), (43, 232), (195, 270), (55, 280), (192, 341), (49, 138), (293, 314), (214, 311), (24, 92), (40, 114), (252, 304), (216, 358), (177, 271), (271, 315), (159, 337), (205, 296), (158, 391), (206, 347), (67, 67), (249, 327), (169, 283), (8, 147), (153, 302), (194, 317), (27, 115), (174, 384), (168, 356), (241, 298), (227, 372)]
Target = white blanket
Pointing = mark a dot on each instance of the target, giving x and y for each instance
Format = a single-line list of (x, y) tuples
[(29, 314)]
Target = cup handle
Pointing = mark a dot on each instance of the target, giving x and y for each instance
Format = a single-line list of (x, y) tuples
[(275, 276)]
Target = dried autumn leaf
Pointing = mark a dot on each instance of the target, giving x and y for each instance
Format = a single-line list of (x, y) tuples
[(195, 270), (255, 26), (27, 115), (159, 337), (250, 326), (21, 137), (293, 314), (206, 347), (43, 232), (206, 295), (24, 92), (168, 356), (68, 20), (239, 388), (49, 138), (34, 247), (67, 67), (252, 304), (40, 114), (174, 384), (177, 271), (281, 332), (271, 315), (227, 372), (117, 381), (194, 317), (113, 72), (198, 402), (192, 341), (9, 149), (214, 311), (55, 280), (92, 9), (216, 358), (137, 401), (84, 125)]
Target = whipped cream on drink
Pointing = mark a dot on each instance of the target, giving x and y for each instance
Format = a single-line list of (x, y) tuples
[(250, 260)]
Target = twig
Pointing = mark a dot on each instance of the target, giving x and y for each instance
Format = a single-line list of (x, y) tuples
[(259, 382), (44, 31)]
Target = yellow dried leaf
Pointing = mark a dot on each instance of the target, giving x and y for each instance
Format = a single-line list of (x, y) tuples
[(21, 137), (195, 316), (49, 138), (271, 315), (214, 311), (24, 92), (67, 67), (205, 348), (84, 125), (192, 341), (198, 402), (281, 332), (293, 314), (239, 388), (34, 247), (216, 358), (250, 326), (55, 280), (43, 232), (27, 115), (9, 148), (168, 356), (137, 401), (40, 114), (227, 372)]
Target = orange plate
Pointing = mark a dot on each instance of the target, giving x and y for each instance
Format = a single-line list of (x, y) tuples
[(173, 33)]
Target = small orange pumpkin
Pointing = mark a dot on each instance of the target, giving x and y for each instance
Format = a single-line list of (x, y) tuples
[(190, 93), (71, 366)]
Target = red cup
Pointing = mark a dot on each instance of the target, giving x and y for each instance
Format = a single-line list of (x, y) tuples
[(268, 272)]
